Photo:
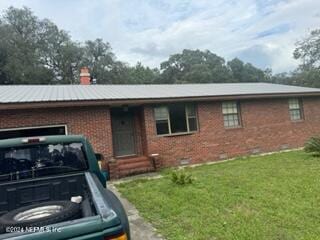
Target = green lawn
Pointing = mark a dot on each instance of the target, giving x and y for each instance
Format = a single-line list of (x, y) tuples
[(262, 197)]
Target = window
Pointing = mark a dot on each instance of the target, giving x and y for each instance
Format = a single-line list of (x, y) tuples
[(33, 131), (191, 118), (231, 114), (162, 120), (176, 118), (295, 109), (39, 160)]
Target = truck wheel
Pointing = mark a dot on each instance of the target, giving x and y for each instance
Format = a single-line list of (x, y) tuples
[(38, 215), (121, 213)]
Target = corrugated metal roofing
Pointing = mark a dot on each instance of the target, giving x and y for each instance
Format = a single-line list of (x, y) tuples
[(56, 93)]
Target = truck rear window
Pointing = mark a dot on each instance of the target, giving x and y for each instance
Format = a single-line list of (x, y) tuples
[(32, 161)]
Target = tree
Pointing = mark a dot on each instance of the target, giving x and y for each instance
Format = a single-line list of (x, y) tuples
[(103, 66), (4, 76), (308, 51), (246, 72), (35, 51), (237, 68), (194, 66), (100, 60), (59, 53), (140, 74), (19, 36)]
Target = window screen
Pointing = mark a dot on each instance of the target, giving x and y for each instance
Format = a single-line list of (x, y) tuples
[(192, 117), (295, 109), (162, 120), (231, 114)]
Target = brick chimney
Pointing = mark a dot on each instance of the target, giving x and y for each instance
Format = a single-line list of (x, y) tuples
[(85, 78)]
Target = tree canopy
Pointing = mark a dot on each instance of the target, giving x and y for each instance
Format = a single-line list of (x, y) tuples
[(36, 51), (194, 64)]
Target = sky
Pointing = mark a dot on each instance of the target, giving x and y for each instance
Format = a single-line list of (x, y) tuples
[(263, 32)]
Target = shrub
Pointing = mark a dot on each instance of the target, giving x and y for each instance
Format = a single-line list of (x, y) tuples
[(181, 177), (313, 146)]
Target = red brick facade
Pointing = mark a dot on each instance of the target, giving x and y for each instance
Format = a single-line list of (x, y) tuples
[(93, 122), (266, 126)]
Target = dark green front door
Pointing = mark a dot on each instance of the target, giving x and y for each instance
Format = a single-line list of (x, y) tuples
[(123, 134)]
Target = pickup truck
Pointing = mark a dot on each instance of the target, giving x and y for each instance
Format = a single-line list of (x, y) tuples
[(52, 188)]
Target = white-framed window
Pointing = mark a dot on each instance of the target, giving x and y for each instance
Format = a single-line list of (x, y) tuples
[(162, 120), (295, 109), (175, 118), (33, 131), (231, 114)]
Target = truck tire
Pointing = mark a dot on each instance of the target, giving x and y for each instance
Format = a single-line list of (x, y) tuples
[(118, 208), (38, 215)]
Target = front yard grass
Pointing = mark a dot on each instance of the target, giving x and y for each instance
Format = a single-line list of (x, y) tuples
[(262, 197)]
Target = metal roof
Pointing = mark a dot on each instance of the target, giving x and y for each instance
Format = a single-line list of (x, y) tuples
[(57, 93)]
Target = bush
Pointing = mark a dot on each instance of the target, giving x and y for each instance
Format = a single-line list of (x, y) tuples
[(181, 177), (313, 146)]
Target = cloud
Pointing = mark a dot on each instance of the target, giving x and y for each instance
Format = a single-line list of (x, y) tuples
[(263, 32), (274, 30), (259, 55)]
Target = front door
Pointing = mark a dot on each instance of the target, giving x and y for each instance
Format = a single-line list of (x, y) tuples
[(123, 134)]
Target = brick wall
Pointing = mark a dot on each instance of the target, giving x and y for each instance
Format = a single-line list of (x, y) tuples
[(266, 126), (93, 122)]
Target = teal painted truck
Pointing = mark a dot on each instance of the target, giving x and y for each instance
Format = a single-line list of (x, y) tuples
[(52, 188)]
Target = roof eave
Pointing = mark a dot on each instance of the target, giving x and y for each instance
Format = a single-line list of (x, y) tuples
[(119, 102)]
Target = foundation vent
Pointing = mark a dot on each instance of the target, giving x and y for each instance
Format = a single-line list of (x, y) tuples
[(185, 161)]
